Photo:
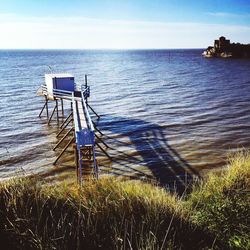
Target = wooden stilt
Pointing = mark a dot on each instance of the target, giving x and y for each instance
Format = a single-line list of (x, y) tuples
[(98, 130), (57, 112), (86, 85), (94, 112), (45, 104), (76, 160), (52, 114), (95, 164), (65, 148), (62, 107), (47, 107), (65, 125), (66, 120), (80, 166), (56, 146)]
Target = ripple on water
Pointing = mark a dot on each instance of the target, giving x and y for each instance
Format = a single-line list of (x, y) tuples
[(164, 113)]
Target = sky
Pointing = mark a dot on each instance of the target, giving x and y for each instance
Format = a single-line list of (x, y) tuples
[(121, 24)]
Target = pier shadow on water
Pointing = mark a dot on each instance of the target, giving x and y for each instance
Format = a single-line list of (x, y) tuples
[(146, 154)]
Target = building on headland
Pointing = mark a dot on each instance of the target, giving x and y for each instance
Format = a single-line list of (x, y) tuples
[(224, 49), (222, 43)]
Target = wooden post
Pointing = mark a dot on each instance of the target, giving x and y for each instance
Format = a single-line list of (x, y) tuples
[(57, 113), (52, 114), (62, 107), (95, 126), (62, 139), (66, 120), (43, 108), (47, 108), (95, 163), (93, 111), (66, 124), (76, 160), (65, 148), (86, 85), (80, 166)]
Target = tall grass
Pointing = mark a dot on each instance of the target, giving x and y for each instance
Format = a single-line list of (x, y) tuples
[(116, 214), (222, 203), (107, 214)]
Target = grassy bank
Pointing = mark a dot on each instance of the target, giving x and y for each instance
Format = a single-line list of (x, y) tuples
[(115, 214), (222, 203)]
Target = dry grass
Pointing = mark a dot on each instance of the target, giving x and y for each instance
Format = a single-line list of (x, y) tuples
[(116, 214), (107, 214)]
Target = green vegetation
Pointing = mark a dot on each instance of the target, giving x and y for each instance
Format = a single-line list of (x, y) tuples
[(119, 214), (222, 203)]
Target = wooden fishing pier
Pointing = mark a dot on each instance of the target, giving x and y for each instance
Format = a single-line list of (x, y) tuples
[(78, 126)]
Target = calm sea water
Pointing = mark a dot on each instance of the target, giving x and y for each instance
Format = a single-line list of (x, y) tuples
[(163, 112)]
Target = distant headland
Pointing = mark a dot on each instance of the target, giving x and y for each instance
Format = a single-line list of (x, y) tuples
[(224, 49)]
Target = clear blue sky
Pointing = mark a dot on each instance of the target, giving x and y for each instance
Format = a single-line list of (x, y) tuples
[(122, 23)]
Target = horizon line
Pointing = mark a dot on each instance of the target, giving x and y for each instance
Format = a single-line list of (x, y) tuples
[(100, 48)]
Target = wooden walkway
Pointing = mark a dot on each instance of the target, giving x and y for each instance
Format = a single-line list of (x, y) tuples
[(83, 136)]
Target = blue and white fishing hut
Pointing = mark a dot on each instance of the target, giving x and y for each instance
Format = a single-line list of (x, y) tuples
[(63, 87)]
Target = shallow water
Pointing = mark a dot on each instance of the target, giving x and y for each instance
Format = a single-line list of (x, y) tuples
[(163, 112)]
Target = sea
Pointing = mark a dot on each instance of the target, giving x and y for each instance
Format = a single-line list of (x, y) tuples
[(165, 114)]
